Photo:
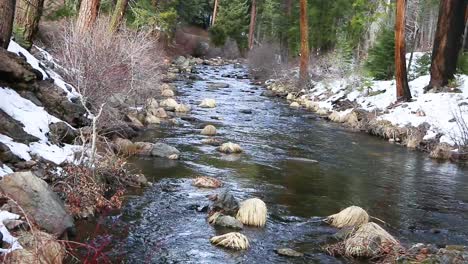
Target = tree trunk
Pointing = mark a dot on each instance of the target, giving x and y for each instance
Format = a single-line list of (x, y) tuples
[(215, 12), (87, 15), (253, 15), (7, 14), (447, 42), (284, 41), (304, 28), (118, 15), (403, 92), (27, 16)]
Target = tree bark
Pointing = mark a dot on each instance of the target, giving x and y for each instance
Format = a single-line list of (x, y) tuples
[(284, 41), (304, 28), (118, 15), (7, 14), (403, 91), (87, 15), (215, 12), (253, 17), (27, 16), (447, 42)]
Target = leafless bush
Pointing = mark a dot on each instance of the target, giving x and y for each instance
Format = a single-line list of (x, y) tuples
[(461, 138), (263, 62), (101, 64), (331, 65)]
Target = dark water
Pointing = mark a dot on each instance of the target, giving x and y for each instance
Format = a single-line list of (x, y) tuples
[(420, 200)]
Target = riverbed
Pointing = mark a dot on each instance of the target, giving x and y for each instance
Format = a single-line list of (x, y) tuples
[(303, 167)]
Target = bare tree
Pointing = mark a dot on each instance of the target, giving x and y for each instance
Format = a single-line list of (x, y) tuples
[(403, 91), (118, 15), (215, 12), (253, 16), (447, 42), (304, 28), (27, 16), (7, 13), (87, 15)]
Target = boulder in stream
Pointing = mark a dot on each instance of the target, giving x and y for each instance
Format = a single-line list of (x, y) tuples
[(226, 203), (167, 93), (208, 103), (164, 151), (209, 130)]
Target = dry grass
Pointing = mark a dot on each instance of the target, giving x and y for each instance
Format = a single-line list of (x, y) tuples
[(206, 182), (370, 240), (230, 147), (233, 240), (351, 216), (209, 130), (252, 212)]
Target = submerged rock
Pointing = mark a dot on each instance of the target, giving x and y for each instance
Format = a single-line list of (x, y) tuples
[(164, 151), (228, 221), (39, 202), (289, 252)]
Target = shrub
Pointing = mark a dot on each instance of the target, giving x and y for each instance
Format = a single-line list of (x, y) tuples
[(381, 61), (262, 61), (218, 35), (101, 64), (463, 63)]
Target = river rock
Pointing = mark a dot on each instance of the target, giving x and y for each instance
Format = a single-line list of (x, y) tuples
[(226, 203), (182, 108), (246, 111), (160, 113), (169, 104), (206, 182), (212, 141), (39, 202), (167, 93), (208, 103), (209, 130), (288, 252), (151, 119), (60, 132), (443, 151), (164, 151), (143, 148), (229, 222), (134, 121), (294, 105), (217, 85)]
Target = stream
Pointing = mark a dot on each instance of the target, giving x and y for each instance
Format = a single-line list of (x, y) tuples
[(419, 199)]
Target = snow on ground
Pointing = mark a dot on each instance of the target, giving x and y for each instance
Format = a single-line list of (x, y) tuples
[(46, 73), (437, 109), (35, 119), (7, 237)]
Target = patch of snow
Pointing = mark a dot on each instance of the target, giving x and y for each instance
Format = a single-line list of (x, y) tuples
[(436, 109), (17, 49), (7, 237), (54, 153), (69, 89), (34, 118), (19, 149), (4, 170)]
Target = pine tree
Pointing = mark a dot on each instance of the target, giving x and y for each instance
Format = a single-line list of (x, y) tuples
[(304, 26), (447, 42), (253, 15), (403, 91), (87, 15), (118, 15)]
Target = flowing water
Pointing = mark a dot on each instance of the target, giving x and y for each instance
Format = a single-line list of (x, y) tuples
[(419, 199)]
